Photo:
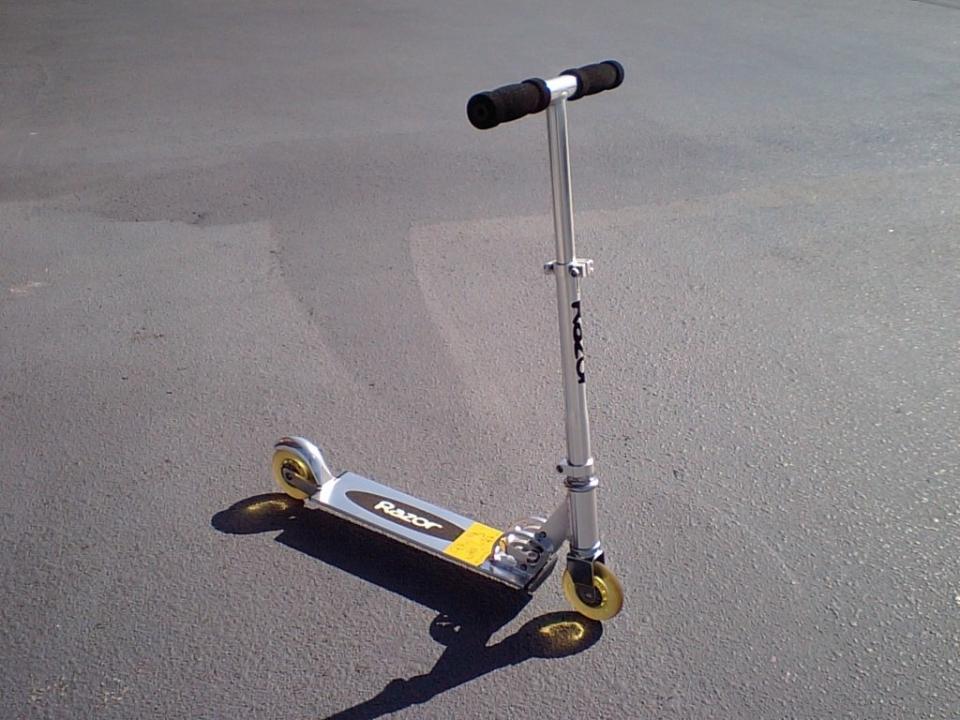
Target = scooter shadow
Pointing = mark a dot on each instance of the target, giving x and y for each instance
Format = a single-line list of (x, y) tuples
[(470, 609)]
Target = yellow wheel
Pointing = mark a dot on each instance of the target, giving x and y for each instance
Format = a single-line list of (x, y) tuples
[(293, 474), (610, 594)]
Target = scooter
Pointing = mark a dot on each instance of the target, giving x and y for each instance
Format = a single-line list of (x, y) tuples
[(524, 555)]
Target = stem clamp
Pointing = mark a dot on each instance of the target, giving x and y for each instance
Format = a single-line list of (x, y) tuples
[(578, 267), (578, 472)]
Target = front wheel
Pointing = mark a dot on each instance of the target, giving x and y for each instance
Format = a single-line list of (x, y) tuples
[(609, 594)]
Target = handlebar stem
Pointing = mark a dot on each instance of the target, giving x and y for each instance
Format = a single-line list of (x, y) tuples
[(561, 87)]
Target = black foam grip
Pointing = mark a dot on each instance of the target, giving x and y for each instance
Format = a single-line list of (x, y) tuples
[(511, 102), (592, 79)]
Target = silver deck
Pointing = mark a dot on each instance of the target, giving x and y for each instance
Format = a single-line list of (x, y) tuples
[(408, 519)]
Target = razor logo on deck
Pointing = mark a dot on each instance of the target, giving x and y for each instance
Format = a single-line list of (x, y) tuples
[(401, 513), (388, 508)]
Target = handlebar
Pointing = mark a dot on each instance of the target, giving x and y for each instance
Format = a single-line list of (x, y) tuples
[(488, 109), (593, 79)]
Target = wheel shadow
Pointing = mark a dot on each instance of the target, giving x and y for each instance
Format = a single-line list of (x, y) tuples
[(470, 609)]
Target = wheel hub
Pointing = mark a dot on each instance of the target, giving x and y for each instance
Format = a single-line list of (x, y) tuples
[(292, 473), (594, 596)]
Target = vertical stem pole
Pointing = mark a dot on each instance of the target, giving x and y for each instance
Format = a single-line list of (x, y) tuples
[(572, 359), (581, 485)]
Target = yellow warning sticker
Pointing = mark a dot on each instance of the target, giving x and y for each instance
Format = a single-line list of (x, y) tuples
[(474, 545)]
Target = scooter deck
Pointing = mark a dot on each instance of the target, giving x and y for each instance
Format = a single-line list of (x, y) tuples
[(416, 522)]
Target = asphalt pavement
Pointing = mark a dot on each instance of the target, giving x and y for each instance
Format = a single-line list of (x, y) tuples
[(225, 222)]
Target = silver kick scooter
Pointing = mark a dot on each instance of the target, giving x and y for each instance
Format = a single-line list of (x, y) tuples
[(524, 555)]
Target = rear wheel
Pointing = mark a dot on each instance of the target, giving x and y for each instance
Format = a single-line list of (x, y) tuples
[(293, 474)]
